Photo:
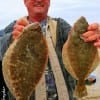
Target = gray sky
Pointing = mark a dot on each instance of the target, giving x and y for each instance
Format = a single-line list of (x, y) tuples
[(70, 10)]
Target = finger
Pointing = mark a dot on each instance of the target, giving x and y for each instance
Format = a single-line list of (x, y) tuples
[(14, 37), (99, 29), (93, 26), (87, 34), (92, 38), (22, 21), (19, 27), (15, 34), (97, 44)]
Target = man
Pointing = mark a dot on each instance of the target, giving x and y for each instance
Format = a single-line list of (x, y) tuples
[(37, 12)]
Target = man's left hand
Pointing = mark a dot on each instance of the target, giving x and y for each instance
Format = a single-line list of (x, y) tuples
[(93, 34)]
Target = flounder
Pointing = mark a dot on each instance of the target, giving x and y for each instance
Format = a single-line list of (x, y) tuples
[(24, 62), (80, 58)]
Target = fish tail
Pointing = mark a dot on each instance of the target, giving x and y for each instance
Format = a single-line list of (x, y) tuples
[(80, 89)]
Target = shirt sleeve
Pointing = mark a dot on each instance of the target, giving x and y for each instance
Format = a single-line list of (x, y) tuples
[(4, 43), (5, 39)]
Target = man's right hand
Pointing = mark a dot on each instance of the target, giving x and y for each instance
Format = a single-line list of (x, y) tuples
[(18, 27)]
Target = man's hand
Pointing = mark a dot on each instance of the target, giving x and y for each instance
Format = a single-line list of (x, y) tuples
[(18, 27), (93, 34)]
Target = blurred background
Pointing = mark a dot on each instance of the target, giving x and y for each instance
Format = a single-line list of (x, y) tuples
[(70, 10)]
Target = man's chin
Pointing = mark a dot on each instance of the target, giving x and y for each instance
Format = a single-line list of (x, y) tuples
[(39, 12)]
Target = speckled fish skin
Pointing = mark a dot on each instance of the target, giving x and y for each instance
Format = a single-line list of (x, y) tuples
[(24, 62), (80, 58)]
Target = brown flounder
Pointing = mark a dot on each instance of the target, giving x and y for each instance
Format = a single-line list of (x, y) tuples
[(24, 62), (80, 58)]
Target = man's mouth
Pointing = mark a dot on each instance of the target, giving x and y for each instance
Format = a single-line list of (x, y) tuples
[(39, 5)]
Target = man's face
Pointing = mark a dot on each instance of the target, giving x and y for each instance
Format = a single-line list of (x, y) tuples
[(37, 6)]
